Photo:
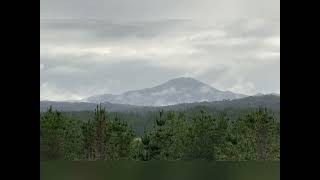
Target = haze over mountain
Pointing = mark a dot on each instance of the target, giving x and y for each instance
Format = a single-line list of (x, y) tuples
[(175, 91), (268, 101), (261, 94)]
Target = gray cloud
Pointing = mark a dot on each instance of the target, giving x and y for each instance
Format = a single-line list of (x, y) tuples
[(115, 46), (155, 9), (94, 79)]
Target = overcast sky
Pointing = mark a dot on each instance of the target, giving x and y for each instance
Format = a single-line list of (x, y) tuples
[(112, 46)]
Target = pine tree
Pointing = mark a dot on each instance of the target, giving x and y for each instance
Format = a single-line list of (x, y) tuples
[(88, 131), (201, 136), (100, 125), (257, 136), (118, 138), (52, 134), (222, 130)]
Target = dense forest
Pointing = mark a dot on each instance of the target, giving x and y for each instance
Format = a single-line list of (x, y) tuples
[(194, 134)]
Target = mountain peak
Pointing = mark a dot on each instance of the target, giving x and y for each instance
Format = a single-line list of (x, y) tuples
[(184, 82), (183, 79), (175, 91)]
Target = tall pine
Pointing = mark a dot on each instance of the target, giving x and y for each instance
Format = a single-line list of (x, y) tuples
[(100, 125)]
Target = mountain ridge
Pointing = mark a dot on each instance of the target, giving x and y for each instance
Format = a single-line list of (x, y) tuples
[(268, 101), (174, 91)]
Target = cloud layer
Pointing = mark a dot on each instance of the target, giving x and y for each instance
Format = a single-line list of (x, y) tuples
[(112, 47)]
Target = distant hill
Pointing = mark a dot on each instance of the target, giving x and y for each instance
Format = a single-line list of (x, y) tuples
[(175, 91), (269, 101), (82, 106), (141, 117)]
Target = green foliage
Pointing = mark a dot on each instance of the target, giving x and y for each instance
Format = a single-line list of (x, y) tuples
[(60, 138), (51, 135), (167, 139), (257, 136), (88, 131), (73, 140), (118, 139), (105, 138), (100, 126), (202, 136), (136, 149), (222, 136), (175, 135)]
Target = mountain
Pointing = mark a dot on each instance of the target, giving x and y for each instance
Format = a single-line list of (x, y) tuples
[(269, 101), (175, 91), (274, 94)]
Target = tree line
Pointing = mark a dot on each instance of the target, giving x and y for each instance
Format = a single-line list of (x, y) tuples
[(252, 136)]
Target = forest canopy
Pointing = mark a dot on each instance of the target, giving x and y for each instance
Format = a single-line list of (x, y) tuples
[(196, 134)]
